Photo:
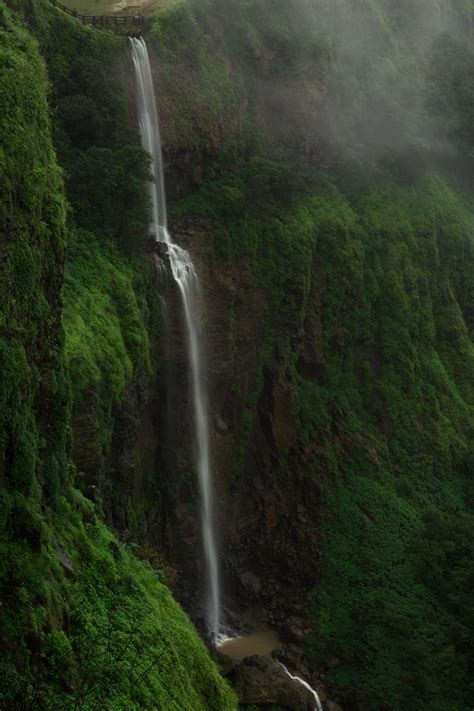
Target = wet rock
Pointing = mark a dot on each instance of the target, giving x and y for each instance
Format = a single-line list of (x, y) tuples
[(292, 655), (188, 521), (262, 680), (161, 248), (333, 706), (221, 426), (156, 247), (65, 562), (301, 536), (302, 518), (87, 453), (296, 628), (251, 582), (298, 633), (279, 397), (232, 617)]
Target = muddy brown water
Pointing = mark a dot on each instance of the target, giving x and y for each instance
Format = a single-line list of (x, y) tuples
[(249, 645)]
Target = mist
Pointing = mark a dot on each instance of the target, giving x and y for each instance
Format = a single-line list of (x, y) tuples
[(359, 82)]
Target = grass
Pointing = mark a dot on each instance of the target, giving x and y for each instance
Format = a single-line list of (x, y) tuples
[(108, 632), (117, 7)]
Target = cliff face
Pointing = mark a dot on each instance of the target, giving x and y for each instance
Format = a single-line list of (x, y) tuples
[(83, 622), (329, 220), (264, 491), (335, 250), (32, 220), (328, 438)]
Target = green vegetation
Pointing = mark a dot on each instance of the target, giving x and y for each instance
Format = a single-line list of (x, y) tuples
[(397, 386), (199, 98), (111, 311), (105, 332), (83, 623), (33, 391), (377, 251), (336, 145), (113, 7), (393, 269), (91, 625)]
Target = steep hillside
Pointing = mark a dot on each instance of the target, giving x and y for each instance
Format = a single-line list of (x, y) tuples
[(83, 623)]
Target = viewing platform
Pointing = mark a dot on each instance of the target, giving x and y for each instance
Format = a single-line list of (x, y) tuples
[(109, 22)]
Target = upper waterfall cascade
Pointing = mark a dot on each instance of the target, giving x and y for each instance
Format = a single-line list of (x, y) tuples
[(187, 281)]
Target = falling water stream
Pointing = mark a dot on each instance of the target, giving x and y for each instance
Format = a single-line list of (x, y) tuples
[(304, 683), (187, 281)]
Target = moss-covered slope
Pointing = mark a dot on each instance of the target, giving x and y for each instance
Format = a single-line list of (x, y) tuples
[(32, 217), (85, 624)]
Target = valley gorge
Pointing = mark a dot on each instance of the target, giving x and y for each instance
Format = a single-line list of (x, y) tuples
[(318, 170)]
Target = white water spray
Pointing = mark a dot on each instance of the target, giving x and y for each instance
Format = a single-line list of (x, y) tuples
[(186, 278), (306, 686)]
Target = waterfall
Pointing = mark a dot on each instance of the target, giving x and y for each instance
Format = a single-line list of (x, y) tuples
[(187, 281), (306, 686)]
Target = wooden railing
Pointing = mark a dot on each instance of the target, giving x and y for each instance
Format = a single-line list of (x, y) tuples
[(107, 21)]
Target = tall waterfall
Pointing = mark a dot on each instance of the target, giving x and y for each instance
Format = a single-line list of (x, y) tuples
[(186, 278)]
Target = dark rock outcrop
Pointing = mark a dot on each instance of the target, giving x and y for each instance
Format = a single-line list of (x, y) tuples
[(262, 680)]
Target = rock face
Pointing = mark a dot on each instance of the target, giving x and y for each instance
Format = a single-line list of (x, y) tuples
[(267, 499), (65, 562), (268, 502), (262, 680)]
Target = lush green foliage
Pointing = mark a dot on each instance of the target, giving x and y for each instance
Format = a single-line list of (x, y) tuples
[(379, 256), (397, 386), (83, 623), (376, 85), (393, 272), (199, 98), (90, 626), (109, 301), (379, 259), (105, 168), (33, 392), (105, 331)]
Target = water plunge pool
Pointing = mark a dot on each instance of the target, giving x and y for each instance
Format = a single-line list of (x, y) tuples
[(250, 645)]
